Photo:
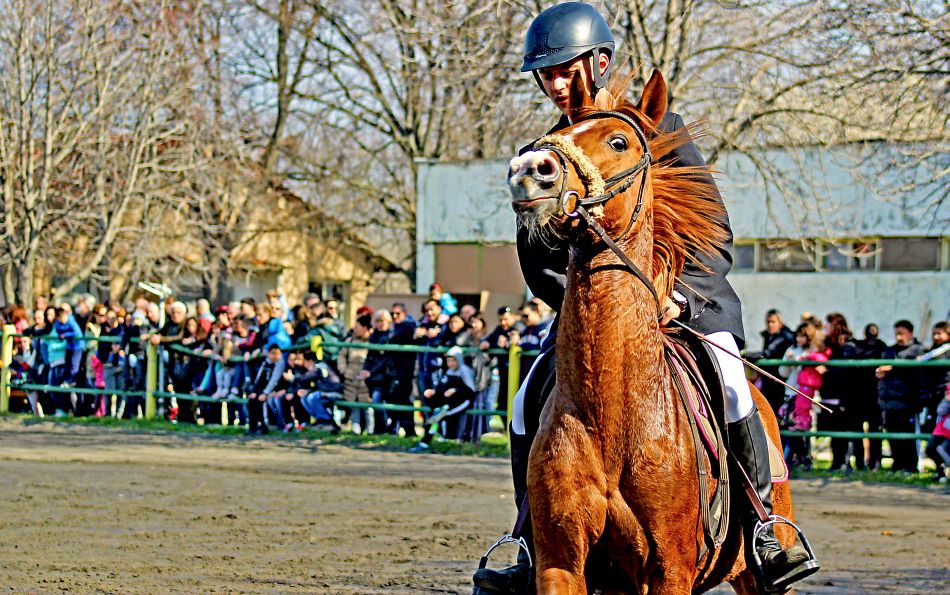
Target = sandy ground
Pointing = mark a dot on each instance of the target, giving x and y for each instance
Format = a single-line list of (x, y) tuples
[(94, 510)]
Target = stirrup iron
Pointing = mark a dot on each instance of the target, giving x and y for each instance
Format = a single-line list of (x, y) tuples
[(781, 584)]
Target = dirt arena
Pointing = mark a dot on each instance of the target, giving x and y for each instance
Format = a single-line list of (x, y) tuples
[(95, 510)]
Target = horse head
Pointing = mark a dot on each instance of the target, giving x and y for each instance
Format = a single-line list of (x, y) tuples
[(600, 162), (616, 162)]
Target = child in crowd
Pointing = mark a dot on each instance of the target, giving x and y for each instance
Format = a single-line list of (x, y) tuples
[(797, 410), (263, 386), (452, 396), (318, 387), (938, 447)]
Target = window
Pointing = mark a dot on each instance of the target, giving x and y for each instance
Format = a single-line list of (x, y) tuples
[(849, 256), (910, 254), (785, 256), (743, 257)]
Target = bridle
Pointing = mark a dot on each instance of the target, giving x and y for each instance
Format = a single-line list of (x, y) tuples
[(602, 189)]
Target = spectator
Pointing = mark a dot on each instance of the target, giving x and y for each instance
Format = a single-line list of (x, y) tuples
[(934, 380), (445, 300), (176, 368), (899, 393), (109, 347), (467, 311), (263, 386), (282, 400), (499, 339), (329, 328), (798, 410), (376, 368), (40, 370), (868, 409), (304, 321), (319, 387), (67, 329), (776, 339), (535, 330), (400, 370), (249, 310), (349, 363), (483, 366), (452, 395), (271, 325), (204, 315), (938, 447), (837, 393)]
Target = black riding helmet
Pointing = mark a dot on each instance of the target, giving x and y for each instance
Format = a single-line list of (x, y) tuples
[(563, 32)]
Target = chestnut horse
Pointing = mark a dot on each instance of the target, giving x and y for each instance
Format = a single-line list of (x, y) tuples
[(612, 474)]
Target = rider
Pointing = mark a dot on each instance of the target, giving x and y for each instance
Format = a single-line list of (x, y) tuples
[(571, 44)]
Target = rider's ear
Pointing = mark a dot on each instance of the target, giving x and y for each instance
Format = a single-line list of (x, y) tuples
[(653, 101)]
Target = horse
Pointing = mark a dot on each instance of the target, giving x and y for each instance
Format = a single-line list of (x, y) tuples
[(613, 477)]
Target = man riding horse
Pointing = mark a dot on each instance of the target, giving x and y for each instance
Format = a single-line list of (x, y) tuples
[(571, 45)]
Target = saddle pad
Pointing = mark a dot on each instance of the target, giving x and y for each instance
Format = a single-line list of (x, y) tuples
[(704, 421)]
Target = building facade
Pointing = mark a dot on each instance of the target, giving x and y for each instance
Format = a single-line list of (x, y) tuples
[(839, 245)]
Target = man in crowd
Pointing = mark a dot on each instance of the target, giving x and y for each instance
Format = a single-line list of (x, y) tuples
[(776, 339), (899, 395)]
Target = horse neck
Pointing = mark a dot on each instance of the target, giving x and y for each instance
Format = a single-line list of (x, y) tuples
[(609, 348)]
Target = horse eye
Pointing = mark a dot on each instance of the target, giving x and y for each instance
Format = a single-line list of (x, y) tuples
[(618, 143)]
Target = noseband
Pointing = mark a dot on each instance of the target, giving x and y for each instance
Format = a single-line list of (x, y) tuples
[(598, 189)]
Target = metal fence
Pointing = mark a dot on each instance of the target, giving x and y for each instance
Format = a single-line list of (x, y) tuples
[(514, 354)]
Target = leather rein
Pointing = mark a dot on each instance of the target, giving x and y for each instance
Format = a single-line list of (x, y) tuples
[(619, 182)]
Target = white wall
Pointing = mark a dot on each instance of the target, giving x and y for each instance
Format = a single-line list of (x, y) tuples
[(881, 298), (468, 202)]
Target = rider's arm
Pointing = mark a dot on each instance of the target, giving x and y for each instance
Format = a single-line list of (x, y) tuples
[(544, 269)]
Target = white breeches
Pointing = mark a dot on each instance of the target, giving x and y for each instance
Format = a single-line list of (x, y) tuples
[(739, 402)]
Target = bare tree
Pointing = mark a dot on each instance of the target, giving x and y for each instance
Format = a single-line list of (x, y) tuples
[(87, 97)]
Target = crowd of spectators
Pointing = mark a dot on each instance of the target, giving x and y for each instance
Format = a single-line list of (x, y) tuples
[(261, 352), (882, 398)]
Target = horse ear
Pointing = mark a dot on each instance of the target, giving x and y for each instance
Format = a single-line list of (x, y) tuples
[(653, 101)]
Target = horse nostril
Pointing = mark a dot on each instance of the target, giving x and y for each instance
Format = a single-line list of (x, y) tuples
[(546, 168)]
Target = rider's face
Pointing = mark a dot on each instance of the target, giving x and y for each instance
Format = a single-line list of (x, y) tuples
[(557, 80)]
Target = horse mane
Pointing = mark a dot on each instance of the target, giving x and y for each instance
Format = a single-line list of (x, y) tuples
[(688, 215)]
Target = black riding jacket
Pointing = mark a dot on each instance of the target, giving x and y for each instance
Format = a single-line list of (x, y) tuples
[(713, 306)]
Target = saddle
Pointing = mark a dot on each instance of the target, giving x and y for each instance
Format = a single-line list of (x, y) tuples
[(698, 381)]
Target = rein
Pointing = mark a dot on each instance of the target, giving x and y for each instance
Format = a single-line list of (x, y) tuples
[(594, 184)]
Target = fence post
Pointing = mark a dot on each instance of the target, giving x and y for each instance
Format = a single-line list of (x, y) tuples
[(514, 377), (151, 379), (6, 360)]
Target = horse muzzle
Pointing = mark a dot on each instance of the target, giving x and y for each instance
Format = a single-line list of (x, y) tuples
[(531, 179)]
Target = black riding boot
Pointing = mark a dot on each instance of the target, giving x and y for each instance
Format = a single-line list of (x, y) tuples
[(780, 568), (516, 579)]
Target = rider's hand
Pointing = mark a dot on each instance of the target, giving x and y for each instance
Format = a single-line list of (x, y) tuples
[(670, 310)]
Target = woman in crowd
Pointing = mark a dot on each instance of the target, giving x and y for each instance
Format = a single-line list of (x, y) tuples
[(483, 366), (375, 368), (838, 393), (350, 362)]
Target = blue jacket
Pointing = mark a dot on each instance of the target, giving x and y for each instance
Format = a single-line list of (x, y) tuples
[(277, 334), (69, 331)]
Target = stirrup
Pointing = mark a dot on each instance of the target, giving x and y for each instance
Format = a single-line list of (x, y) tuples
[(505, 539), (803, 570)]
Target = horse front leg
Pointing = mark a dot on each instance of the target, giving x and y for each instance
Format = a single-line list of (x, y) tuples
[(566, 491)]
